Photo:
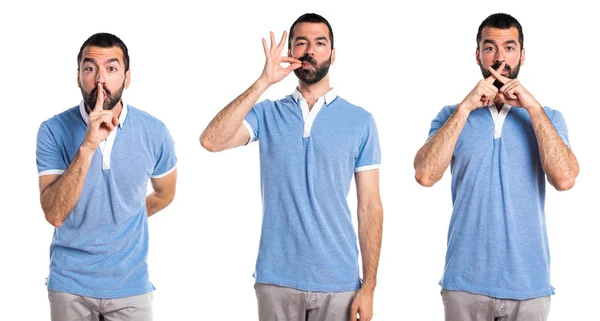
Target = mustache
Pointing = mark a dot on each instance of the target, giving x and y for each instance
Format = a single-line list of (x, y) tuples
[(94, 92), (308, 58), (498, 63)]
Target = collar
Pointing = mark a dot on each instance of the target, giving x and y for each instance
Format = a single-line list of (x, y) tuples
[(86, 117), (330, 96)]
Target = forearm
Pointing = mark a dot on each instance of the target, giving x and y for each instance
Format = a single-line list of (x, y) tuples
[(370, 226), (434, 157), (227, 122), (559, 162), (155, 202), (59, 199)]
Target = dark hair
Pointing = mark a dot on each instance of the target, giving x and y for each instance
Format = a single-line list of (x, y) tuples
[(310, 18), (500, 21), (105, 40)]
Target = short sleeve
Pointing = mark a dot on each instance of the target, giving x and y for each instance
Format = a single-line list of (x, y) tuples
[(440, 120), (49, 158), (166, 161), (369, 154), (560, 125), (252, 121)]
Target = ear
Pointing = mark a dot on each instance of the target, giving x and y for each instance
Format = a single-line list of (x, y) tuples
[(78, 79), (289, 53), (522, 56), (332, 56), (477, 57), (127, 78)]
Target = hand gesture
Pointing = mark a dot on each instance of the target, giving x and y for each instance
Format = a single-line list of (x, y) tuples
[(101, 122), (484, 92), (273, 71), (513, 93)]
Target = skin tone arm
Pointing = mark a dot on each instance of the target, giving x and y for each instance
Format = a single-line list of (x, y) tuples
[(59, 193), (370, 226), (559, 162), (226, 130), (434, 157), (163, 194)]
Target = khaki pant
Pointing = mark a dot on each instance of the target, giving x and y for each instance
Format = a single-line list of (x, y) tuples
[(463, 306), (276, 303), (70, 307)]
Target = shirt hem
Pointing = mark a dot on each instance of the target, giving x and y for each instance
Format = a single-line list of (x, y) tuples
[(103, 294), (498, 294), (307, 286)]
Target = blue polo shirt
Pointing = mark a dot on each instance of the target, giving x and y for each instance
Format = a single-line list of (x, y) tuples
[(497, 241), (100, 249), (307, 161)]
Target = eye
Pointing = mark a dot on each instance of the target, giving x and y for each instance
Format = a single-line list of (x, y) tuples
[(321, 43), (301, 43), (89, 69), (112, 69), (488, 49), (510, 48)]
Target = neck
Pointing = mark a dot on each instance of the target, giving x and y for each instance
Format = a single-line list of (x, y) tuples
[(312, 92)]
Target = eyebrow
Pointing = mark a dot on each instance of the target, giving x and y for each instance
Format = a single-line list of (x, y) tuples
[(92, 60), (305, 38), (507, 42)]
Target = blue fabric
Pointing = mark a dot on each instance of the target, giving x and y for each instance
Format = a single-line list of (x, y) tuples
[(100, 249), (308, 241), (497, 241)]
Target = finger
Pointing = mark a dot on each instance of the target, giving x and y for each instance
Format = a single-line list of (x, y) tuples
[(99, 98), (292, 67), (282, 42), (495, 73), (291, 60), (265, 48), (115, 121), (272, 41), (353, 312)]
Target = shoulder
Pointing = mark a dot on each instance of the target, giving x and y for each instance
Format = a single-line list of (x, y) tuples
[(63, 120), (140, 117)]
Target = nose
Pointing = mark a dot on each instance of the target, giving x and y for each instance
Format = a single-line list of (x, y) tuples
[(100, 77), (499, 56), (310, 49)]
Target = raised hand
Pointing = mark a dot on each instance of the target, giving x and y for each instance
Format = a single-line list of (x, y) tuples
[(101, 122), (273, 71), (513, 93), (483, 94)]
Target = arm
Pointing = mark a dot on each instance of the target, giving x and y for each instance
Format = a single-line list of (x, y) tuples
[(163, 194), (370, 225), (434, 157), (558, 161), (226, 129), (60, 193)]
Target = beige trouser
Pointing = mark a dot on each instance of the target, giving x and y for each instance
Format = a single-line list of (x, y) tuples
[(70, 307), (276, 303), (463, 306)]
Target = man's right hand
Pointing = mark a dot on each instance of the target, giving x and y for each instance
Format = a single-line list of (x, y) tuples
[(101, 123), (483, 94), (273, 71)]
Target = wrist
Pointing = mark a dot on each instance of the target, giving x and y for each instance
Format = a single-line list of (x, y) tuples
[(262, 83), (86, 148)]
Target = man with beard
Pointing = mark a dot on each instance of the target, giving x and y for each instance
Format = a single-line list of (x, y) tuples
[(94, 162), (500, 143), (311, 144)]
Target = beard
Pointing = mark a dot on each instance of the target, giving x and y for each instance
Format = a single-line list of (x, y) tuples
[(512, 73), (309, 76), (111, 98)]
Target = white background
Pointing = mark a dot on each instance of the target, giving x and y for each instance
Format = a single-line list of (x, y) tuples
[(402, 62)]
